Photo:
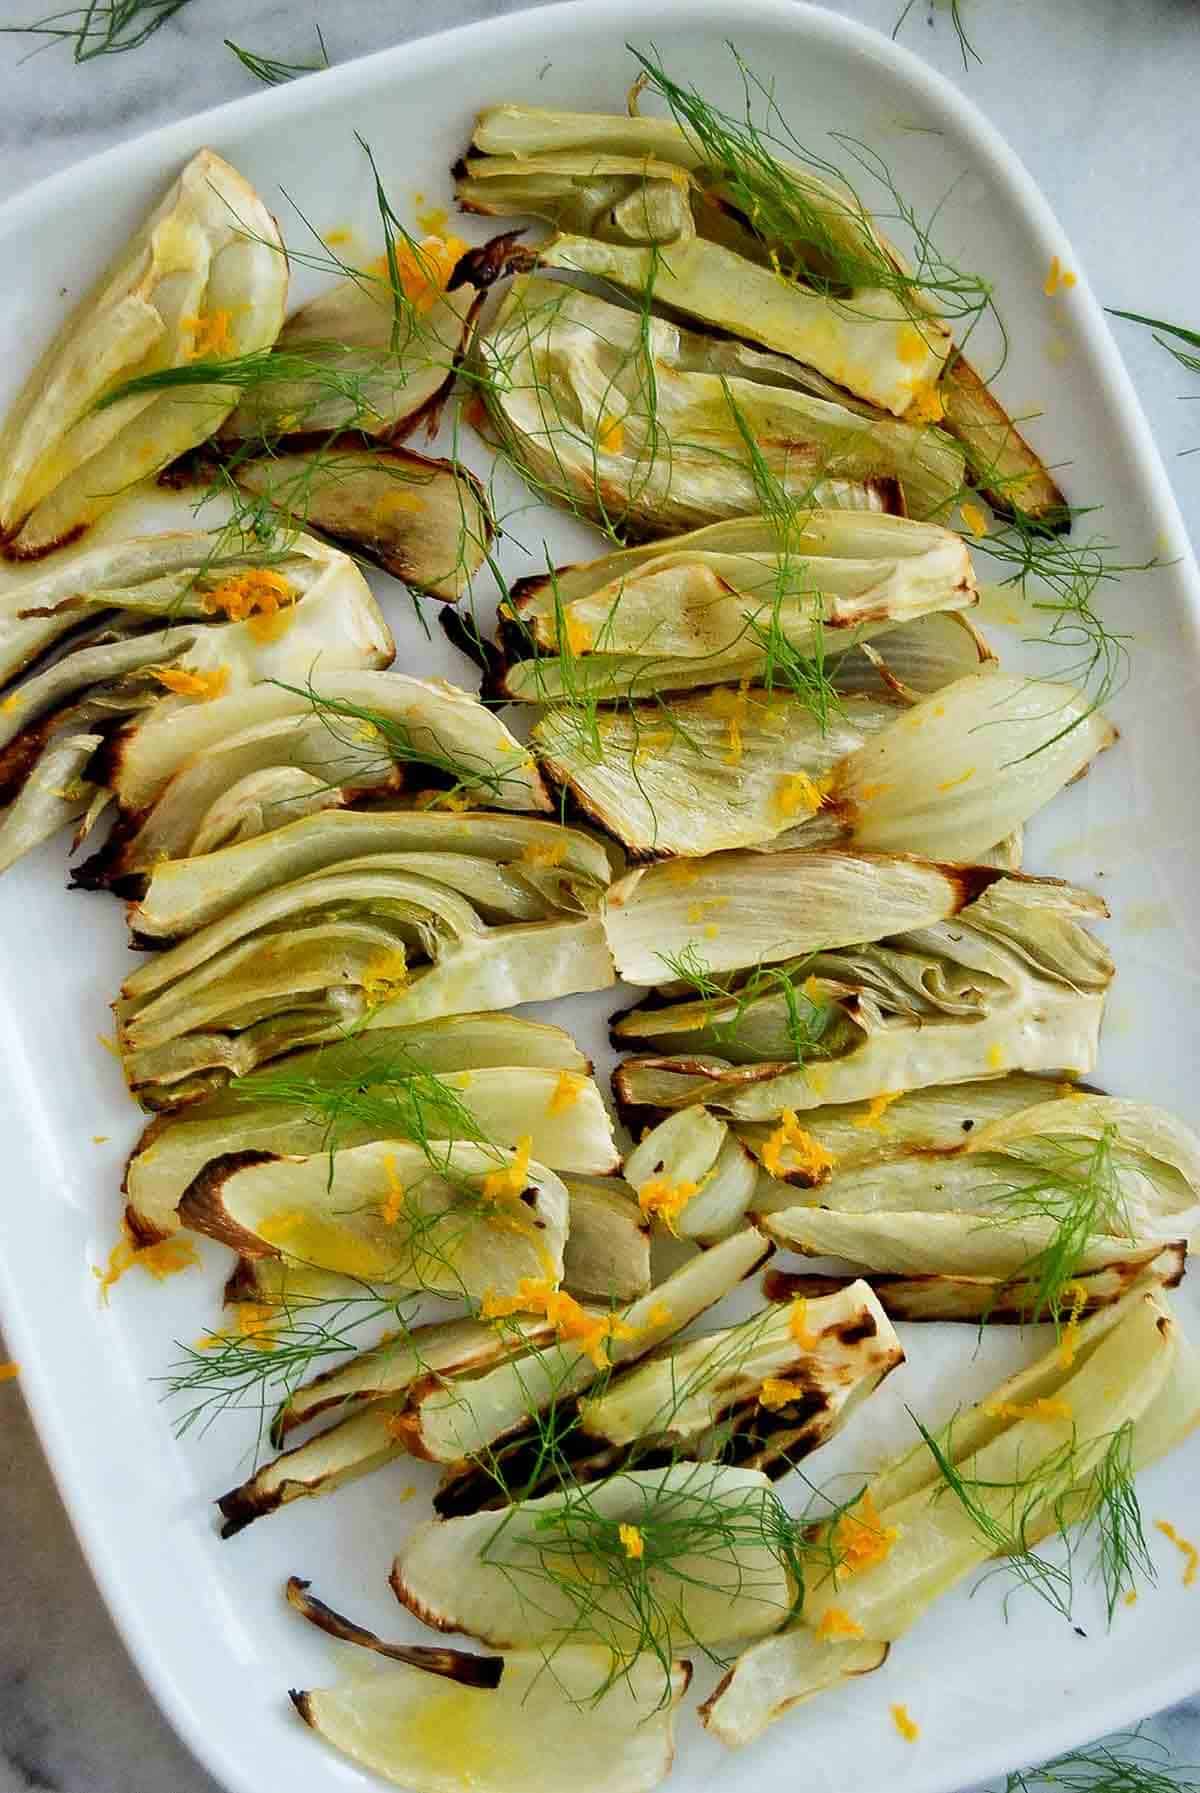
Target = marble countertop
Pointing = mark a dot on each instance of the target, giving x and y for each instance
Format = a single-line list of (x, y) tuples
[(1097, 96)]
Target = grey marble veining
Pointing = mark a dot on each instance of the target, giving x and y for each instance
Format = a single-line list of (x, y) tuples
[(1097, 96)]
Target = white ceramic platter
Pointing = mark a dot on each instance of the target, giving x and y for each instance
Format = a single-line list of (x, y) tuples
[(205, 1620)]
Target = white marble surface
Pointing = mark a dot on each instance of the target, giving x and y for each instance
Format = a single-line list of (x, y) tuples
[(1097, 96)]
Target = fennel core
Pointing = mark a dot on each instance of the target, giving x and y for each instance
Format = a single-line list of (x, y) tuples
[(807, 1018)]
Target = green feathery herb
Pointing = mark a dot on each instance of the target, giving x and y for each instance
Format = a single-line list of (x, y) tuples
[(385, 1088), (358, 726), (273, 73), (966, 48), (808, 1021), (805, 675), (1049, 1483), (831, 246), (1103, 1503), (1116, 1514), (1078, 1189), (1128, 1763), (263, 1364), (592, 1559), (100, 27), (1192, 337)]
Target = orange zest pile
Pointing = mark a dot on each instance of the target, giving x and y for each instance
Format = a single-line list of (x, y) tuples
[(861, 1538), (660, 1199), (810, 1159), (166, 1258), (835, 1623), (572, 1323)]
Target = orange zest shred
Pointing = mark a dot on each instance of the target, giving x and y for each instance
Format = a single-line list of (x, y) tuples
[(204, 685), (911, 346), (510, 1182), (952, 784), (836, 1622), (580, 635), (392, 1206), (862, 1538), (1070, 1333), (1057, 277), (907, 1727), (210, 333), (632, 1541), (274, 1228), (660, 1199), (422, 269), (566, 1091), (659, 1315), (572, 1323), (407, 1493), (254, 1322), (1189, 1551), (926, 406), (974, 518), (257, 591), (9, 1372), (877, 1107), (777, 1392), (610, 435), (810, 1157), (1047, 1407), (798, 1325), (798, 794), (546, 854), (384, 974), (166, 1258)]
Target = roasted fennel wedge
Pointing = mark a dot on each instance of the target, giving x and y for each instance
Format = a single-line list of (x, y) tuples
[(448, 1219), (948, 778), (187, 635), (371, 940), (716, 1565), (1029, 1462), (375, 353), (780, 905), (606, 1257), (1011, 981), (204, 277), (295, 750), (493, 1077), (1082, 1184), (536, 861), (725, 603), (713, 216), (762, 1394), (435, 1720), (643, 425)]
